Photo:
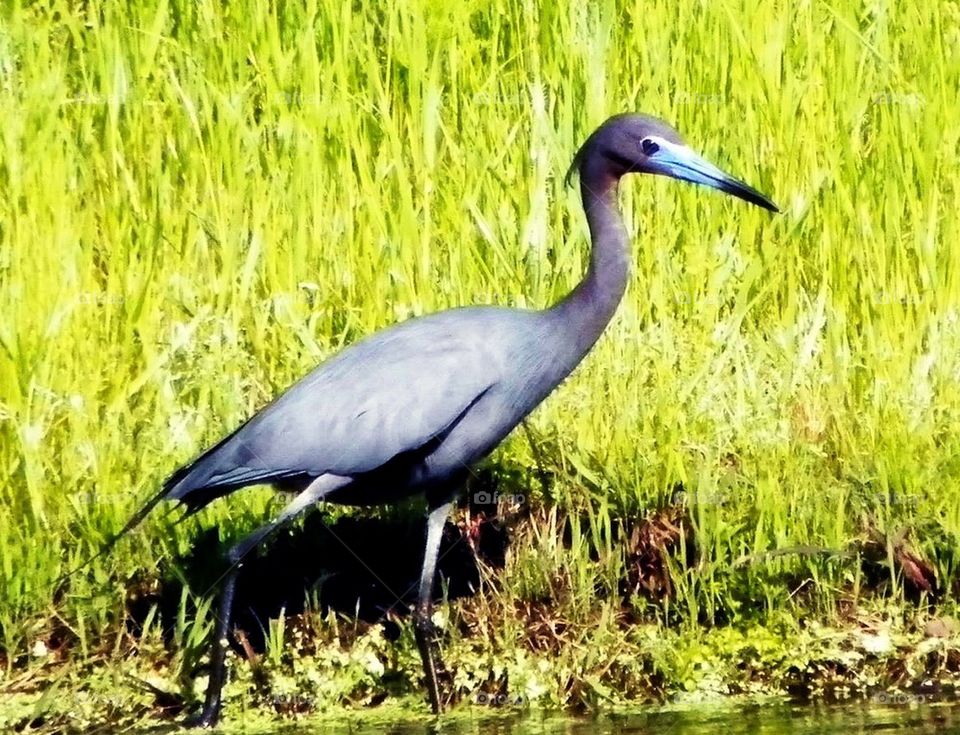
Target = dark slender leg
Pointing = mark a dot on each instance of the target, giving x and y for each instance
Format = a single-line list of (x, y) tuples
[(423, 629), (218, 651)]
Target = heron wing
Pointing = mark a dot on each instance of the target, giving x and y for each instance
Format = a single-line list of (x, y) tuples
[(386, 395)]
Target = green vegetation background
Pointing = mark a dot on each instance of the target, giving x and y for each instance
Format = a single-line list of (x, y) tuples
[(199, 202)]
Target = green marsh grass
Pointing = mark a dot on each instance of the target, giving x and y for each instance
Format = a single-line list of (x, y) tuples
[(199, 203)]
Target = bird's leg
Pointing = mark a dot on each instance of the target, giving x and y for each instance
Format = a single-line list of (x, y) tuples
[(218, 651), (423, 628)]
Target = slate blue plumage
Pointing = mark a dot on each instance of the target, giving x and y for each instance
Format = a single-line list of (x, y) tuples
[(409, 409)]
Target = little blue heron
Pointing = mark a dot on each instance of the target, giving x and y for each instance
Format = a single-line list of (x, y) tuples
[(409, 409)]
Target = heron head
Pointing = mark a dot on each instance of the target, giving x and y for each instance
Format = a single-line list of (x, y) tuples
[(634, 143)]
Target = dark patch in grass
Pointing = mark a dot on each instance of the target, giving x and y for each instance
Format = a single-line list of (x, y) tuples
[(649, 543), (918, 575), (367, 568)]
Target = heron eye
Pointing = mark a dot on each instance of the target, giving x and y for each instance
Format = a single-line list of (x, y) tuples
[(648, 147)]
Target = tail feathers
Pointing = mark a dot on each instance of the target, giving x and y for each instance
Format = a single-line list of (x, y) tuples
[(216, 472), (134, 521), (229, 465), (219, 470), (196, 498)]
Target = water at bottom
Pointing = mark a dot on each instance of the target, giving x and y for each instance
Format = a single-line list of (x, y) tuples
[(768, 719)]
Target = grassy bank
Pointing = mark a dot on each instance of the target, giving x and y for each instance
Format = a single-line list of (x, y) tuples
[(197, 205)]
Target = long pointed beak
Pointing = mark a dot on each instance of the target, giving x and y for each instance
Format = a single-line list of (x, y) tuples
[(681, 162)]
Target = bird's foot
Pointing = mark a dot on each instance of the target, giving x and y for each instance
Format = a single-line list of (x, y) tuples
[(439, 681), (206, 719)]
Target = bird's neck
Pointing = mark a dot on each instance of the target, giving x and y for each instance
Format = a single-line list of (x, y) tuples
[(587, 310)]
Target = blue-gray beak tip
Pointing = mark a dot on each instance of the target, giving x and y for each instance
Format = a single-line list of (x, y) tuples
[(749, 194)]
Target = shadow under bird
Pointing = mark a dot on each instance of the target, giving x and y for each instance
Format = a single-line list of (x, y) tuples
[(409, 409)]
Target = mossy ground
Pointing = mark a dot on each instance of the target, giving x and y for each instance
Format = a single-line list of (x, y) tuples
[(504, 655)]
